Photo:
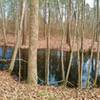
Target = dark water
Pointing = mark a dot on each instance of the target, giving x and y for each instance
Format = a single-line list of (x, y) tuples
[(55, 75), (5, 55)]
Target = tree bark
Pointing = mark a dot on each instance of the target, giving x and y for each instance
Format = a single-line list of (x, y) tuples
[(33, 41), (18, 43), (62, 42), (98, 44), (68, 22), (25, 26), (3, 23), (47, 60)]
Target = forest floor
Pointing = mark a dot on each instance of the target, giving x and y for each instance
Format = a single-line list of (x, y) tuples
[(13, 90), (55, 43)]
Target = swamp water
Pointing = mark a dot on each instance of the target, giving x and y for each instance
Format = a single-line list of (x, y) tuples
[(55, 74)]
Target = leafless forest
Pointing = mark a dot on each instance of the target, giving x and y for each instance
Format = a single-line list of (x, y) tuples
[(49, 49)]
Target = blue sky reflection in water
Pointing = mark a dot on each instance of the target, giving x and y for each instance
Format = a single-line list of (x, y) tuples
[(7, 56)]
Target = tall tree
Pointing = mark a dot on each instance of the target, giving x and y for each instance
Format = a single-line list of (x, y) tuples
[(69, 8), (62, 41), (82, 40), (98, 43), (18, 43), (3, 22), (33, 41), (25, 28), (47, 63), (77, 37)]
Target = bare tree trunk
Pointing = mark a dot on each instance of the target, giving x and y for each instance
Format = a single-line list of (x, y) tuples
[(62, 42), (71, 56), (17, 22), (47, 63), (24, 37), (71, 47), (19, 64), (77, 41), (98, 45), (78, 61), (18, 42), (45, 18), (68, 22), (3, 23), (91, 56), (33, 42), (82, 39)]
